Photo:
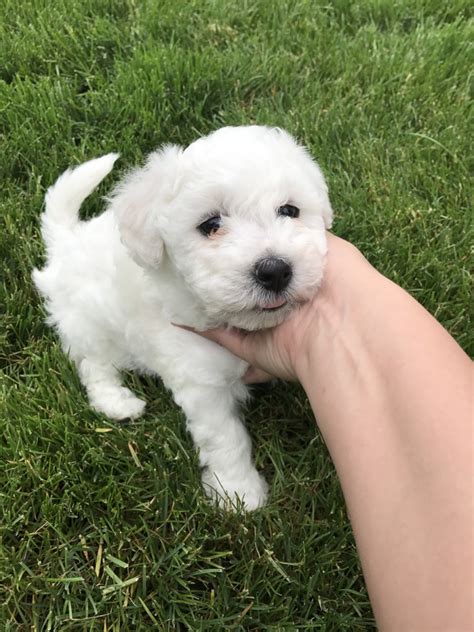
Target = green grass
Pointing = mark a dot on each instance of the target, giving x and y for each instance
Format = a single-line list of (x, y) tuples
[(104, 526)]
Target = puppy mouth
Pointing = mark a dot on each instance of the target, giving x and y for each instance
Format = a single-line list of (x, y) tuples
[(273, 306)]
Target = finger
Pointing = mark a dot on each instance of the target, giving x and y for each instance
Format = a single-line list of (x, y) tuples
[(256, 376), (235, 340)]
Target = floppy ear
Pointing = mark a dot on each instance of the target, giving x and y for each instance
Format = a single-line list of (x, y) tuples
[(320, 196), (137, 200), (313, 171), (320, 193), (325, 204)]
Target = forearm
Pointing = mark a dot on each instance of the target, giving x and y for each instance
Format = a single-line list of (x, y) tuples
[(391, 394)]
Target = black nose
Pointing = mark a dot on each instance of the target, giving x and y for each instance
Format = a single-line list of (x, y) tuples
[(273, 273)]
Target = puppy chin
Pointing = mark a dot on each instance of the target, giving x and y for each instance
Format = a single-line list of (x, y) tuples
[(253, 320)]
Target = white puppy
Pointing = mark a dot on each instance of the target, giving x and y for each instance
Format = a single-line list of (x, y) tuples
[(230, 231)]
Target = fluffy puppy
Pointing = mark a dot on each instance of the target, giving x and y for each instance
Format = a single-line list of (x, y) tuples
[(230, 231)]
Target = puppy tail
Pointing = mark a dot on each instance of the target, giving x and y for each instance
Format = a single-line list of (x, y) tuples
[(63, 199)]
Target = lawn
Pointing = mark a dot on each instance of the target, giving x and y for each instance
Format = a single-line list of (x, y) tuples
[(104, 525)]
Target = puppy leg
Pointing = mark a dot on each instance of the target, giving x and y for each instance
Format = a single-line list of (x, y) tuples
[(224, 444), (105, 391)]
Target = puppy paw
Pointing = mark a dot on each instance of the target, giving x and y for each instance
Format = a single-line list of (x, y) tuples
[(249, 492), (117, 402)]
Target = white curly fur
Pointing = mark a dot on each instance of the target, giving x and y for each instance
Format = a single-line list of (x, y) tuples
[(113, 285)]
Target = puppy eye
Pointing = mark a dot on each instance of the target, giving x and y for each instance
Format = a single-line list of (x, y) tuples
[(210, 226), (288, 210)]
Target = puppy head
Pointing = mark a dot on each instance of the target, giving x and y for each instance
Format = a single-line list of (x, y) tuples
[(240, 215)]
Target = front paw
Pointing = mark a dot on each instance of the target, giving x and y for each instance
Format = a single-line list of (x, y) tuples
[(117, 402), (249, 491)]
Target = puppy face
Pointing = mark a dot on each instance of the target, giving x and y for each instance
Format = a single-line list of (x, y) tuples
[(241, 216)]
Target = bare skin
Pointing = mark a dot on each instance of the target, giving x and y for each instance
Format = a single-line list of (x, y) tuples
[(392, 395)]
